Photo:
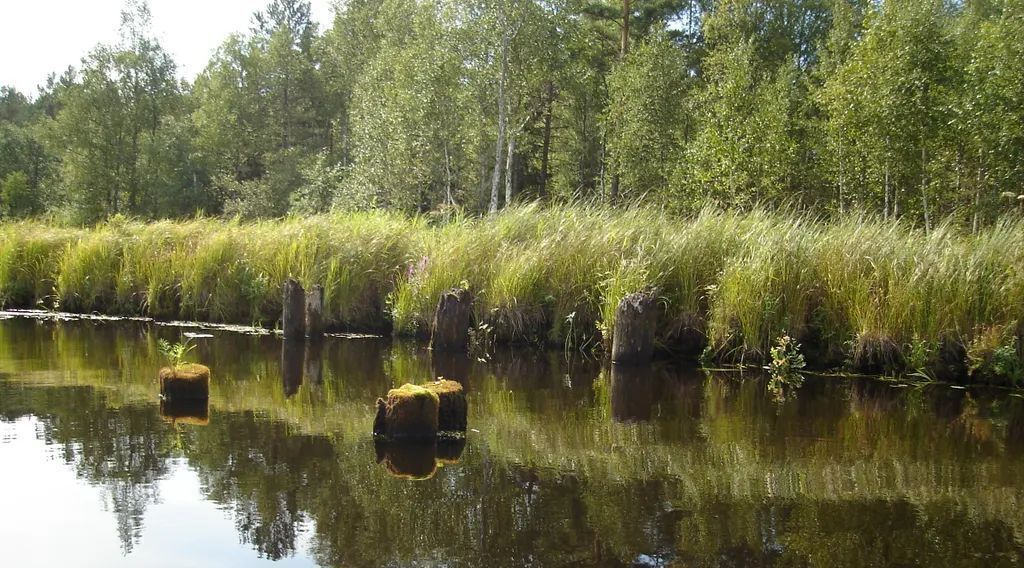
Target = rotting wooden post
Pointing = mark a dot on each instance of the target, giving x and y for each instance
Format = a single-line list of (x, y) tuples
[(452, 319), (636, 320), (315, 312), (293, 317)]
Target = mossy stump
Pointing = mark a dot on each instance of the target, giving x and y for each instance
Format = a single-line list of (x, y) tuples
[(452, 406), (636, 321), (409, 412), (454, 315), (185, 382)]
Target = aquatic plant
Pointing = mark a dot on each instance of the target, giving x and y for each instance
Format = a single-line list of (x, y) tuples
[(175, 353)]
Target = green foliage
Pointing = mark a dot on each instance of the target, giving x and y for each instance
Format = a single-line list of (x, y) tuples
[(17, 199), (176, 354), (992, 356), (647, 123), (887, 296)]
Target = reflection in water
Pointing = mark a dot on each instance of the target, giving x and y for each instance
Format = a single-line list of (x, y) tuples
[(417, 459), (568, 464), (313, 362), (190, 411), (292, 352), (632, 392)]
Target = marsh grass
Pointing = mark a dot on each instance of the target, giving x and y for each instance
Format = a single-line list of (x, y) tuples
[(882, 296)]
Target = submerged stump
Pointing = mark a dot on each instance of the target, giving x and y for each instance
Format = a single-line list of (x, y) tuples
[(185, 382), (454, 315), (293, 315), (452, 406), (636, 321), (409, 412)]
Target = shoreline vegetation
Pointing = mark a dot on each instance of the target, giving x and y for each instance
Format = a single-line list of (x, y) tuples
[(859, 293)]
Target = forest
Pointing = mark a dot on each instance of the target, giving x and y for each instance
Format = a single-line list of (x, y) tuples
[(907, 110)]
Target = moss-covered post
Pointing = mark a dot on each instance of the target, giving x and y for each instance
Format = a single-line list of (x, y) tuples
[(636, 320), (408, 412), (315, 312), (293, 316), (452, 319)]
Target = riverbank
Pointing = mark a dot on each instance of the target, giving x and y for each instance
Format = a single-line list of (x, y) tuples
[(859, 293)]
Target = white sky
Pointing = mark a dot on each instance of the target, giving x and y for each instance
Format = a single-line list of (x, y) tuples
[(38, 37)]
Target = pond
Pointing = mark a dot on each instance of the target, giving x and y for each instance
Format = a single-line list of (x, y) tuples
[(567, 461)]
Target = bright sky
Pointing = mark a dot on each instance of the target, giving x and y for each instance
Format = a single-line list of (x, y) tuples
[(38, 37)]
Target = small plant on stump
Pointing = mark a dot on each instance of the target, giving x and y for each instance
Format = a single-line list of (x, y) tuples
[(175, 353), (787, 363)]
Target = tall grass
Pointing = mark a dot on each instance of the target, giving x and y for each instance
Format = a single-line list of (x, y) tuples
[(880, 296)]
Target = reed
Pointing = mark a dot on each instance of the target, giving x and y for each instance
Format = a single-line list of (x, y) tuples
[(877, 296)]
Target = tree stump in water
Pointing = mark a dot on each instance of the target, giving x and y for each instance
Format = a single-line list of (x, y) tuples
[(636, 321), (293, 316), (408, 412), (452, 319), (452, 406), (185, 382), (315, 312)]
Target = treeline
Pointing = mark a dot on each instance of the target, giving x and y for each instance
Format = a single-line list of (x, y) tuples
[(908, 109)]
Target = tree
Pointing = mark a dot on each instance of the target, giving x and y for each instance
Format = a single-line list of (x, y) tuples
[(743, 151), (112, 129), (645, 93)]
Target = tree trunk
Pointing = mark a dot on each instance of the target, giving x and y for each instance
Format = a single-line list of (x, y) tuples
[(448, 177), (841, 177), (885, 211), (502, 120), (924, 190), (624, 38), (546, 148), (509, 169)]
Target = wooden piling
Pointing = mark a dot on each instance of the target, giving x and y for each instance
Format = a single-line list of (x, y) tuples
[(315, 312), (293, 316), (636, 320), (454, 315)]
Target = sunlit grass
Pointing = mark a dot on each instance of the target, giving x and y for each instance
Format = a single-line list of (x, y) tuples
[(858, 288)]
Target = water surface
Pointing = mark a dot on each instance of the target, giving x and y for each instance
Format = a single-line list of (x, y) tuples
[(566, 462)]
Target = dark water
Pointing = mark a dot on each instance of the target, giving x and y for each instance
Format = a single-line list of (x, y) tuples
[(566, 463)]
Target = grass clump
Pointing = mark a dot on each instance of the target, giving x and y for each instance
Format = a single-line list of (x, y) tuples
[(883, 296)]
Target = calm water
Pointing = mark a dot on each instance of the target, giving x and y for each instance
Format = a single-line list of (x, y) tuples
[(566, 463)]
